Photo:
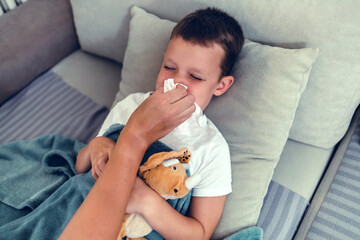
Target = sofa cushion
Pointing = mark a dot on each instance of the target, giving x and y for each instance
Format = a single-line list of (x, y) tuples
[(259, 107), (331, 97), (93, 76), (33, 37)]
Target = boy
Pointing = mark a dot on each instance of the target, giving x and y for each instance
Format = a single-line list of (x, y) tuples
[(201, 52)]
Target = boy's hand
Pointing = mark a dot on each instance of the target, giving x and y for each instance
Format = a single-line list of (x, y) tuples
[(100, 149), (160, 113)]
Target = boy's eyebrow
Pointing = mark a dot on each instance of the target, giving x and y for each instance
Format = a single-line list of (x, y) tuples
[(196, 70), (168, 60)]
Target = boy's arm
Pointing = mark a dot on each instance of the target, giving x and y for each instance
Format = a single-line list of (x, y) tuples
[(204, 214)]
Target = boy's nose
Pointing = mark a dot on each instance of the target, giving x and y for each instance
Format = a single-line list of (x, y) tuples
[(180, 80), (181, 83)]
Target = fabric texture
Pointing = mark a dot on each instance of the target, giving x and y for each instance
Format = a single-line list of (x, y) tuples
[(329, 101), (31, 44), (251, 233), (259, 108), (6, 6), (31, 170), (281, 213), (210, 152), (49, 105), (338, 216)]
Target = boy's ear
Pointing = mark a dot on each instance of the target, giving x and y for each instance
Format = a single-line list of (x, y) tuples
[(223, 85)]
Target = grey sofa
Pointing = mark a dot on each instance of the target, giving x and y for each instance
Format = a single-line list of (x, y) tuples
[(88, 45)]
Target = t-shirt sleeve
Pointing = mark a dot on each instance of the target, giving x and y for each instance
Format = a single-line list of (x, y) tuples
[(215, 171)]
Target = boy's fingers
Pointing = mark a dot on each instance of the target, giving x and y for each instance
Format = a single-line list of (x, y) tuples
[(93, 173), (102, 163), (97, 171)]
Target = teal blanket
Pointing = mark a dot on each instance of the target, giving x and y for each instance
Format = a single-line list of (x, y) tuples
[(40, 191)]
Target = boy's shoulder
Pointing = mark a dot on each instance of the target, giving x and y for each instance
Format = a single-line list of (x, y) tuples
[(215, 131), (209, 137)]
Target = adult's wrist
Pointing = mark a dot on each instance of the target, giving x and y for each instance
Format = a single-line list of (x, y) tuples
[(137, 136)]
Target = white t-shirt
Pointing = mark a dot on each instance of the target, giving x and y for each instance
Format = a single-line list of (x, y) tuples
[(210, 152)]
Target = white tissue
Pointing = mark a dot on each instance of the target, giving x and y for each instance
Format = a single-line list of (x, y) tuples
[(196, 117)]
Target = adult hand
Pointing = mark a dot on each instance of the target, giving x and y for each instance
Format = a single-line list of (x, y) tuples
[(160, 113)]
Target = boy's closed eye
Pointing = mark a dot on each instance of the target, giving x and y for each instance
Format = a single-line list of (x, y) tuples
[(168, 68), (191, 75), (195, 77)]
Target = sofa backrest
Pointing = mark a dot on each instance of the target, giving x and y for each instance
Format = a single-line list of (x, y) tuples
[(33, 37)]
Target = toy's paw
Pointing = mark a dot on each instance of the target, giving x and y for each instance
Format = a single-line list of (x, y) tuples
[(185, 157)]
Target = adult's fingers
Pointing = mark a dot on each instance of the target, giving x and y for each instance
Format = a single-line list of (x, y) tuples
[(185, 114), (173, 95), (184, 103)]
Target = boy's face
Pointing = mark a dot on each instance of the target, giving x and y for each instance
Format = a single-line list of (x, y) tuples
[(197, 67)]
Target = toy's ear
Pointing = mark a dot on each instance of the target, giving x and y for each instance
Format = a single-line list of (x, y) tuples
[(170, 162), (153, 161), (156, 159)]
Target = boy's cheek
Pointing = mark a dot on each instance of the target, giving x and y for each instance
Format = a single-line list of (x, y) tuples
[(161, 79), (160, 82)]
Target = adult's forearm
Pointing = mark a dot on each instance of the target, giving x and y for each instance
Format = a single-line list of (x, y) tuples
[(101, 214)]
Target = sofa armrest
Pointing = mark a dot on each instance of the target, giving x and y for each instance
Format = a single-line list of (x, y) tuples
[(33, 38)]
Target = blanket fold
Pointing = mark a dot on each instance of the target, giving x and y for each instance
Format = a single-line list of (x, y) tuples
[(31, 170)]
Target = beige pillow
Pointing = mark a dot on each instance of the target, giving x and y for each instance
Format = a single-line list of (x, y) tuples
[(255, 115)]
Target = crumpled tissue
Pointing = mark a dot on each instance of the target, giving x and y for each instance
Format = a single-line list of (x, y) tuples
[(197, 117)]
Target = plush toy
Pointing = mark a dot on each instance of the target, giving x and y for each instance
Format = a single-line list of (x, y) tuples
[(165, 172)]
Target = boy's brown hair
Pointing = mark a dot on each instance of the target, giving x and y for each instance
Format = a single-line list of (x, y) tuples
[(211, 25)]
